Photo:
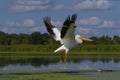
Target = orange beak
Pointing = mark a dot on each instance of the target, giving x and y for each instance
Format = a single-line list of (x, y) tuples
[(85, 39)]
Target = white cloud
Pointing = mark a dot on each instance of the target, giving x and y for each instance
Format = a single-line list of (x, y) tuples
[(93, 24), (107, 24), (97, 22), (30, 5), (24, 23), (35, 29), (28, 22), (32, 2), (41, 29), (92, 4), (90, 21), (13, 23), (103, 4), (84, 30), (5, 29)]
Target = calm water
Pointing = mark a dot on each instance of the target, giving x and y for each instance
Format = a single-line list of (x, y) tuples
[(81, 62)]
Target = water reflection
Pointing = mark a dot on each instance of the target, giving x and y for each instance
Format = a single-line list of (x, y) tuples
[(81, 62)]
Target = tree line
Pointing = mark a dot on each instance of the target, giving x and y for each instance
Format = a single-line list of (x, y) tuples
[(37, 38), (33, 38)]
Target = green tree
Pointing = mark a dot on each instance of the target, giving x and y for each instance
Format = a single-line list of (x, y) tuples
[(36, 38), (116, 39), (24, 38), (14, 39), (46, 38), (3, 38)]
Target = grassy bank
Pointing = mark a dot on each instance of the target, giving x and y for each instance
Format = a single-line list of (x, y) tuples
[(36, 50), (51, 48), (59, 75), (48, 50), (41, 76)]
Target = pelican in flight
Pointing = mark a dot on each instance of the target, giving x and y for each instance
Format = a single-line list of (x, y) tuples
[(66, 36)]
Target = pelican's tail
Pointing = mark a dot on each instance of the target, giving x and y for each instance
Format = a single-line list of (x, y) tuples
[(60, 49)]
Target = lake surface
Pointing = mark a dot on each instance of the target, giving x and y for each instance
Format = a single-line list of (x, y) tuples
[(79, 62)]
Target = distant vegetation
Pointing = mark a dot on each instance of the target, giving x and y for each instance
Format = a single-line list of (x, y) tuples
[(42, 42), (33, 38), (37, 38)]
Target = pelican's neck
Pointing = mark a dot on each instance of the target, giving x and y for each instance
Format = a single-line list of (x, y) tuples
[(78, 40)]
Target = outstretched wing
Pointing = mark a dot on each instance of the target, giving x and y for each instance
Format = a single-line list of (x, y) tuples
[(68, 29), (53, 31)]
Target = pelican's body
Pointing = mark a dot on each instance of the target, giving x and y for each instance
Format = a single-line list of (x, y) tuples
[(69, 45), (66, 36)]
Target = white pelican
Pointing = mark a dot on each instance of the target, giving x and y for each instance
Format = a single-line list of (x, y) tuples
[(66, 36)]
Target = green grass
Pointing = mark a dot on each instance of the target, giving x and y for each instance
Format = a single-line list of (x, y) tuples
[(58, 75), (47, 77), (41, 50), (51, 48)]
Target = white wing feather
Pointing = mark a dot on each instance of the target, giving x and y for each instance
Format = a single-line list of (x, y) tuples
[(53, 31), (70, 36), (57, 35)]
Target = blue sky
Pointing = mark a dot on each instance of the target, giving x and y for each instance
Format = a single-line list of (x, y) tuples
[(95, 17)]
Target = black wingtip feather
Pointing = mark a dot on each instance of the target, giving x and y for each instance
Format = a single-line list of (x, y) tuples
[(74, 16), (67, 24), (47, 21), (48, 25)]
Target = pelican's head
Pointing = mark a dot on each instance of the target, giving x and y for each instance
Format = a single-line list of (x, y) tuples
[(80, 39)]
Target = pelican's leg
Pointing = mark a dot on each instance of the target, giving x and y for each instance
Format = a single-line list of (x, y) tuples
[(61, 58), (65, 58)]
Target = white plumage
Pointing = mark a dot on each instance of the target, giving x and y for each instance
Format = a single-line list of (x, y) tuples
[(57, 35), (67, 35)]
